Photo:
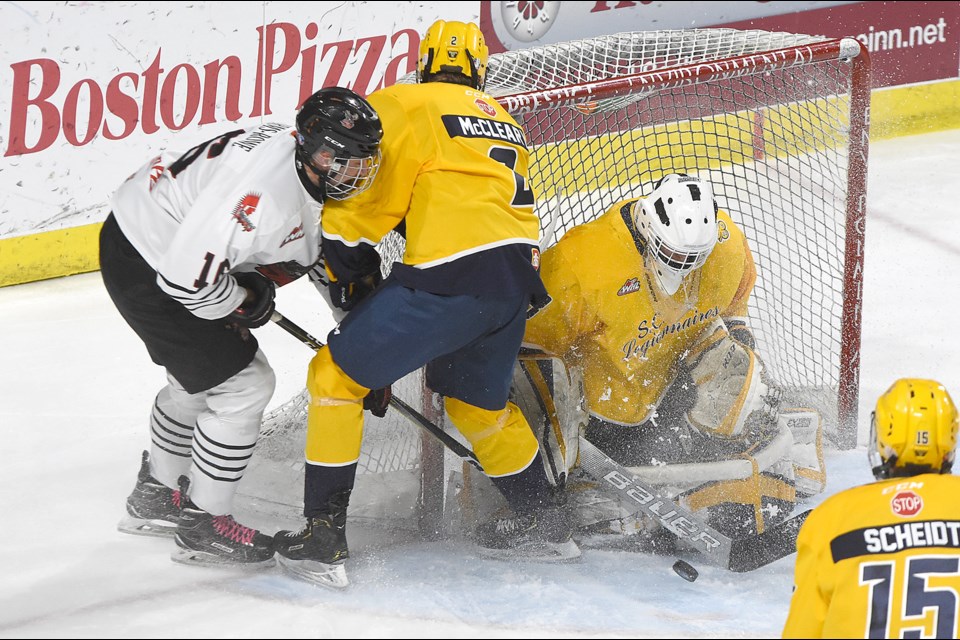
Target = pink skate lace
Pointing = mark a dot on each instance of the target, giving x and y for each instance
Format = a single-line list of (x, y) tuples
[(175, 498), (230, 528)]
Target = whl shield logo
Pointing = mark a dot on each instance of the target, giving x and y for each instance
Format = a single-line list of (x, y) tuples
[(906, 504), (630, 286), (296, 234)]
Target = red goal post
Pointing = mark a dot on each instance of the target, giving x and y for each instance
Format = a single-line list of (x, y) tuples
[(777, 122)]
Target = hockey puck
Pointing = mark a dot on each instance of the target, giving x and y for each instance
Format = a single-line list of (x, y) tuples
[(685, 570)]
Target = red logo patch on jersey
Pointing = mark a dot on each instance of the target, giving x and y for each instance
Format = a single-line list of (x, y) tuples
[(535, 258), (906, 504), (296, 234), (485, 107), (245, 209), (630, 286)]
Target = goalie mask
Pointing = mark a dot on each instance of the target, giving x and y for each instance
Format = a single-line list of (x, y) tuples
[(338, 137), (913, 430), (453, 47), (678, 220)]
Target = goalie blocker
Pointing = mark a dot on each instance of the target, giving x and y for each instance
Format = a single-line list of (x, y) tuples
[(719, 444)]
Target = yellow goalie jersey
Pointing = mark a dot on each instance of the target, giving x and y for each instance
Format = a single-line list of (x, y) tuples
[(609, 316), (880, 560)]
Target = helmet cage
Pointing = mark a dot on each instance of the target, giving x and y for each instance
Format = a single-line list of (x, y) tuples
[(881, 464), (678, 221), (344, 176)]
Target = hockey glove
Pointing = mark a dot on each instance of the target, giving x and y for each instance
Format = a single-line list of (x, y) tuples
[(259, 303), (353, 271), (348, 294), (377, 401)]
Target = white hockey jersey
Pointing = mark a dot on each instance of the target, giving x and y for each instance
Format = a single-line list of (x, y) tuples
[(231, 204)]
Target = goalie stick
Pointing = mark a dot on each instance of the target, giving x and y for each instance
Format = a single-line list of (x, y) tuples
[(735, 554), (399, 405)]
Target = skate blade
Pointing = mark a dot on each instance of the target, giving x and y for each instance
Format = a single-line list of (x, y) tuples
[(333, 576), (558, 552), (204, 559), (141, 527)]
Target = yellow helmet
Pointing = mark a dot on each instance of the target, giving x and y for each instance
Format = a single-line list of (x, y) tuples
[(453, 47), (913, 429)]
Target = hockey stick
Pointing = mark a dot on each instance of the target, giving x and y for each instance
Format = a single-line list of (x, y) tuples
[(399, 405), (738, 555)]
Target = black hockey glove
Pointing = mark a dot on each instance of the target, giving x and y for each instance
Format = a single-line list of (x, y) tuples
[(258, 310), (353, 271), (377, 401), (346, 295)]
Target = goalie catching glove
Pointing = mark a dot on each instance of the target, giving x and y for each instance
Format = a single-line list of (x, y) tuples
[(732, 390), (259, 303)]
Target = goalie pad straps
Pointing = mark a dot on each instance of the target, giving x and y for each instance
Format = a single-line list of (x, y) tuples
[(731, 389), (551, 398)]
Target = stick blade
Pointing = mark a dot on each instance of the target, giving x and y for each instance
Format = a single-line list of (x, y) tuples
[(776, 542)]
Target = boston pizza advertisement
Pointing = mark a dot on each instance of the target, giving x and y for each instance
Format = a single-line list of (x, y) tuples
[(89, 90)]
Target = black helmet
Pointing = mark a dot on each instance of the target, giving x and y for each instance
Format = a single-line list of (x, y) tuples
[(338, 137)]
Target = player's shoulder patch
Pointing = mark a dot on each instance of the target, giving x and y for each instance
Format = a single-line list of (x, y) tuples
[(723, 231)]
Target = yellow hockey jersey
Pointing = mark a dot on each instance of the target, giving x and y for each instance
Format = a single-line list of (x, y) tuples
[(455, 172), (608, 315), (880, 560)]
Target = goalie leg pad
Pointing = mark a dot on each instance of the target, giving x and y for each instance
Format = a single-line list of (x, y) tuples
[(748, 490), (550, 395), (807, 452)]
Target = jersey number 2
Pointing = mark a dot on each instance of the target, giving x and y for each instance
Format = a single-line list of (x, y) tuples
[(523, 194)]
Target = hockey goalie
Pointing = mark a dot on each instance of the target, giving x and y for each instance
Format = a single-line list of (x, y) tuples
[(646, 352)]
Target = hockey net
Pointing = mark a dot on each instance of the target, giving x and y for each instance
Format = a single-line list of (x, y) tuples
[(777, 122)]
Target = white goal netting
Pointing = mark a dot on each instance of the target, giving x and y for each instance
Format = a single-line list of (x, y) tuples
[(776, 121)]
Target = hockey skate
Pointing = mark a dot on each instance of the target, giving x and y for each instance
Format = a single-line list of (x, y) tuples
[(152, 508), (317, 552), (541, 536), (206, 539)]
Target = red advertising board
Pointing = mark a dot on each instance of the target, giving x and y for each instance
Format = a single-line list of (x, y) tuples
[(909, 42)]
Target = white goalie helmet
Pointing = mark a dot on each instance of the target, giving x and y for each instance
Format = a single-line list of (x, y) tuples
[(678, 219)]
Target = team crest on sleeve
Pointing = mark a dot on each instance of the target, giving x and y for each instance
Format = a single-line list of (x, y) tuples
[(245, 209), (486, 107), (630, 286), (535, 258), (906, 504)]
